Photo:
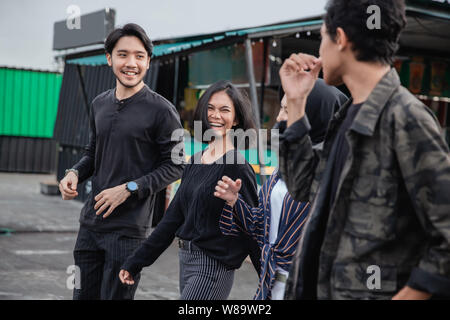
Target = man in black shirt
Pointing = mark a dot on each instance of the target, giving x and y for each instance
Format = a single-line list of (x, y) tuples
[(129, 160)]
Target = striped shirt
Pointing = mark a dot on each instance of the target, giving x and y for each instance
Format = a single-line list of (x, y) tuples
[(256, 222)]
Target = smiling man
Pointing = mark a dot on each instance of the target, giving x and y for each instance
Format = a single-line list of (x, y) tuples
[(129, 160)]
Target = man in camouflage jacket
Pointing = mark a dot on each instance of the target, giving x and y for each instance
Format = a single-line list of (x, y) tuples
[(386, 234)]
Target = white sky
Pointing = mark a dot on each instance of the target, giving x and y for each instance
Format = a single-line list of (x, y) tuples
[(26, 26)]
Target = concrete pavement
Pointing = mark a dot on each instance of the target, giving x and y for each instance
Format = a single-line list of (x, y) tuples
[(37, 236)]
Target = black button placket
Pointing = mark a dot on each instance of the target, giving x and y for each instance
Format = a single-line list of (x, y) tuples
[(119, 106)]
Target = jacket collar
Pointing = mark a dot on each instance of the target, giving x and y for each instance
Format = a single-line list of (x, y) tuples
[(367, 117)]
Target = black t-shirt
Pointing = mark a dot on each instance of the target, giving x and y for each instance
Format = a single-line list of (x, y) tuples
[(130, 140), (340, 150), (194, 214)]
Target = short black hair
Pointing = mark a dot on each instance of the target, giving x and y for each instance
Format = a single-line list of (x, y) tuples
[(241, 102), (376, 45), (130, 29)]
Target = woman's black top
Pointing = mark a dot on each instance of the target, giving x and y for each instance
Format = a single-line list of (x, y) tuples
[(194, 214)]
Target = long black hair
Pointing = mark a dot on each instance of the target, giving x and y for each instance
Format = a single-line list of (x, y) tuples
[(241, 103)]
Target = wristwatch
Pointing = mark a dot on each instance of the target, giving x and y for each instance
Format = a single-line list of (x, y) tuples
[(71, 170), (132, 187)]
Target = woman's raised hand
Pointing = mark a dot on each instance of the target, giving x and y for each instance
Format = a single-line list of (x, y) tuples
[(228, 190)]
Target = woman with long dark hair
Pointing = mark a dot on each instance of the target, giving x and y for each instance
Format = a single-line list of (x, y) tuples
[(207, 257), (277, 222)]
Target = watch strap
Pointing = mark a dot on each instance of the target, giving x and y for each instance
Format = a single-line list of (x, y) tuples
[(132, 191), (71, 170)]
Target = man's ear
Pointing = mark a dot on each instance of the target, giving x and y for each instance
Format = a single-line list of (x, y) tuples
[(108, 58), (148, 63), (341, 38)]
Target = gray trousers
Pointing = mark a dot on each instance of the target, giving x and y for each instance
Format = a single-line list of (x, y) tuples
[(203, 278)]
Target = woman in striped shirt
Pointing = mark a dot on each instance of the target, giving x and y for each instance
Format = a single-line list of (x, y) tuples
[(275, 224)]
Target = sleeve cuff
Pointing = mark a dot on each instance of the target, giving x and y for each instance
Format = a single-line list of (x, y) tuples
[(297, 130), (226, 219), (229, 210), (142, 189), (239, 209), (227, 213), (437, 285), (81, 173), (237, 206), (133, 269)]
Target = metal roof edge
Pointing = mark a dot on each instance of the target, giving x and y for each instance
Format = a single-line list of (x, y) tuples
[(96, 60), (224, 32), (28, 69), (428, 12), (277, 27)]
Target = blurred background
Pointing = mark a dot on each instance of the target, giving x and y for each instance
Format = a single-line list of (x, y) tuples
[(52, 65)]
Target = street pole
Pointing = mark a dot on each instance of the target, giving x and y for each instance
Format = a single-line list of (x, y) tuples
[(255, 105)]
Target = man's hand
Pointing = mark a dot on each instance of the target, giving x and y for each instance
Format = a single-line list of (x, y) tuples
[(408, 293), (228, 190), (111, 198), (298, 75), (68, 186), (126, 278)]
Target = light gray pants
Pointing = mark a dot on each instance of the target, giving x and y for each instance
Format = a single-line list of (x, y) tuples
[(203, 278)]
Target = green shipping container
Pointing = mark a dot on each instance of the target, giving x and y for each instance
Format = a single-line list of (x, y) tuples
[(28, 102)]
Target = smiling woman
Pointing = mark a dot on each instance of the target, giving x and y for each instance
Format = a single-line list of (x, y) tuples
[(207, 257), (221, 114), (223, 107)]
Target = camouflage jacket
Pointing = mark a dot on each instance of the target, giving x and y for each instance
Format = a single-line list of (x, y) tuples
[(389, 225)]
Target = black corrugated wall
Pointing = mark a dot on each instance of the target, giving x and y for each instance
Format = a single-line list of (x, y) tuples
[(30, 155)]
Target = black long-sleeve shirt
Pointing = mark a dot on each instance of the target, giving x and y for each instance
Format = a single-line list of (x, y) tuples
[(194, 215), (340, 150), (130, 140)]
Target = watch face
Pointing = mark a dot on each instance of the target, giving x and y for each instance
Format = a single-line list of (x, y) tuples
[(132, 186)]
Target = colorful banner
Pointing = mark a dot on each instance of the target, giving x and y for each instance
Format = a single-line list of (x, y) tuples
[(416, 73), (398, 65), (437, 78)]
